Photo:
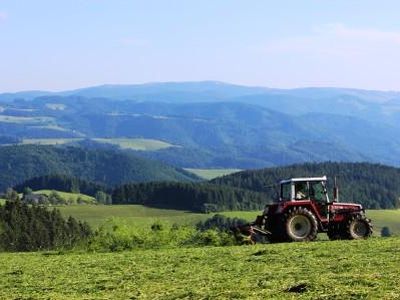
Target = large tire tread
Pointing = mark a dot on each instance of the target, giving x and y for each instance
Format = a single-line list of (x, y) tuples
[(311, 217), (350, 234)]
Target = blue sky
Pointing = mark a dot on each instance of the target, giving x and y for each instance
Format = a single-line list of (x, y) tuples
[(57, 45)]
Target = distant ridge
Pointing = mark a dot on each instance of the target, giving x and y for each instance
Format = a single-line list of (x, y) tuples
[(216, 89)]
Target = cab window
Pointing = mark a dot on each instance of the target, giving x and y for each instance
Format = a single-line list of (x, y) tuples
[(317, 192), (286, 191)]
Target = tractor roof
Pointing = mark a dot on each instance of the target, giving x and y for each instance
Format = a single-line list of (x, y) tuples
[(304, 179)]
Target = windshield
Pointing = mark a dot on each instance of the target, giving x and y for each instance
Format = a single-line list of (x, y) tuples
[(318, 191)]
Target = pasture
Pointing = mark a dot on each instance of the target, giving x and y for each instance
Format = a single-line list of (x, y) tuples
[(138, 215), (26, 120), (212, 173), (123, 143), (55, 141), (134, 215), (136, 143), (366, 269)]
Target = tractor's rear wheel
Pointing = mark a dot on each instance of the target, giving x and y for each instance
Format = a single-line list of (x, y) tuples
[(301, 225), (358, 227)]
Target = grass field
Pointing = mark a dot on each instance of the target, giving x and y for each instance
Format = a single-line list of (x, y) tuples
[(59, 141), (136, 144), (51, 127), (138, 215), (133, 144), (212, 173), (319, 270), (26, 120), (135, 215)]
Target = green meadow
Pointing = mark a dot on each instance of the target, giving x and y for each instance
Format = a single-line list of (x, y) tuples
[(56, 141), (366, 269), (138, 215), (136, 144), (132, 215), (26, 120), (212, 173), (123, 143)]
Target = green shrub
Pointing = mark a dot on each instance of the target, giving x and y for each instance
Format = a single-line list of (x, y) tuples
[(116, 235)]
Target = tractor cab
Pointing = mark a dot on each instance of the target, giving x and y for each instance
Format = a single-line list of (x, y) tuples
[(306, 191), (311, 188)]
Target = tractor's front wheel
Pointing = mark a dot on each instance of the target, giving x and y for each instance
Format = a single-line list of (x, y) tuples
[(301, 225), (358, 227)]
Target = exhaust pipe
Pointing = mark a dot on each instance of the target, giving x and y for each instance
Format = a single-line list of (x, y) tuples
[(336, 191)]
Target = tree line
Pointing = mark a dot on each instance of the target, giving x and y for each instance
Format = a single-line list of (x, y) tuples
[(199, 197), (374, 186), (26, 227)]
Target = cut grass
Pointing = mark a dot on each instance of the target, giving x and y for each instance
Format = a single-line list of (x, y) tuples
[(319, 270), (136, 144), (212, 173)]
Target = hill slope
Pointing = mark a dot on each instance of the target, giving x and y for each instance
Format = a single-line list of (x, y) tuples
[(375, 186), (20, 163)]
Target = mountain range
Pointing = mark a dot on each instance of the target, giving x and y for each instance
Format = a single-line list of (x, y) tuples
[(217, 125)]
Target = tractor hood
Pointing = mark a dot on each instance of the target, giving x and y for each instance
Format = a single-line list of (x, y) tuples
[(346, 206)]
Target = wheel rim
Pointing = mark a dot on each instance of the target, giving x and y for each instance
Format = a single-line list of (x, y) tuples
[(360, 229), (300, 226)]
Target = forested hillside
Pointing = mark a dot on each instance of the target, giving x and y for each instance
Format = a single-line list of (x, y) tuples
[(109, 167), (214, 125), (199, 197), (373, 185)]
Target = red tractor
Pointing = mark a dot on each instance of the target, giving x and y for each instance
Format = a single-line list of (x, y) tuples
[(304, 209)]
